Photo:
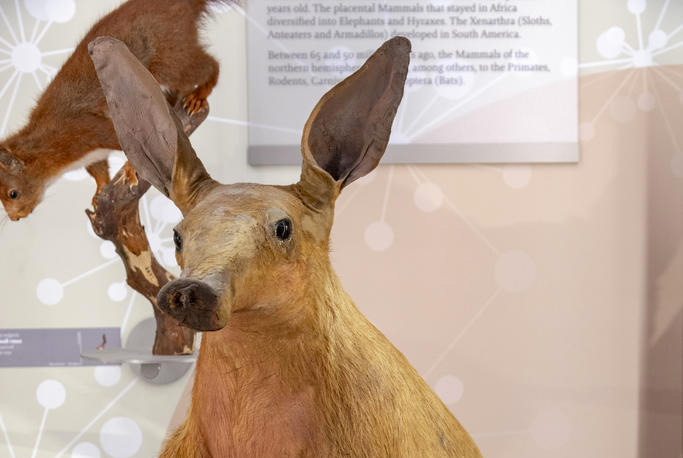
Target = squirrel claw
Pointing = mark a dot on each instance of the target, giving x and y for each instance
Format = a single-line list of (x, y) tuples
[(193, 104)]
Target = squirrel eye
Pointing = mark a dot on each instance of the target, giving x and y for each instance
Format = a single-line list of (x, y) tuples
[(13, 194), (283, 229), (177, 240)]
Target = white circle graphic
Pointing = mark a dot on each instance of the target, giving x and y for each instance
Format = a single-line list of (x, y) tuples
[(428, 197), (610, 42), (636, 6), (517, 176), (117, 292), (86, 450), (49, 291), (450, 389), (51, 394), (642, 58), (60, 10), (121, 437), (26, 57), (36, 8), (657, 39), (379, 236), (107, 375), (108, 250)]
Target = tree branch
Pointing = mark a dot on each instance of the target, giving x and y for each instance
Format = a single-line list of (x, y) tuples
[(115, 217)]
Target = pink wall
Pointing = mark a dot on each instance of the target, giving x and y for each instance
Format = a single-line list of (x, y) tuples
[(543, 301)]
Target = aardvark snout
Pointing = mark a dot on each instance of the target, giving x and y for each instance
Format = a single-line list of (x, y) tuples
[(193, 303)]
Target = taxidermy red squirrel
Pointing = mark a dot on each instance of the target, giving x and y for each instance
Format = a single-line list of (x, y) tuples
[(69, 127)]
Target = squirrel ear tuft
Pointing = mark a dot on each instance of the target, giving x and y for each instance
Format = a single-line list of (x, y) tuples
[(10, 163)]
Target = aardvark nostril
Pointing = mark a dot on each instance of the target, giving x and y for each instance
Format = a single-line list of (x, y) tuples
[(191, 302), (182, 298)]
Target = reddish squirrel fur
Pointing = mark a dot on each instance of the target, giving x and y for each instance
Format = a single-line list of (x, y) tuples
[(69, 126)]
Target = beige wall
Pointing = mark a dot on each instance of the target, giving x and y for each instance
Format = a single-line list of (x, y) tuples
[(542, 302)]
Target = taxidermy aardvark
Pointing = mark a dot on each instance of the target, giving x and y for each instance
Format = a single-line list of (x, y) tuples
[(69, 127), (293, 369)]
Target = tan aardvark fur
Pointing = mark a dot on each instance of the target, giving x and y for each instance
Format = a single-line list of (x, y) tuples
[(293, 369)]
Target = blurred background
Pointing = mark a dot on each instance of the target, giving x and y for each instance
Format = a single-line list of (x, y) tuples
[(542, 302)]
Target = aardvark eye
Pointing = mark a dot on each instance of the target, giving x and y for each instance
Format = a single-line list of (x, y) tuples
[(283, 229), (177, 240)]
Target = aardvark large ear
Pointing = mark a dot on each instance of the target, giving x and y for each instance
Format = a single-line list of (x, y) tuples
[(148, 131), (348, 130)]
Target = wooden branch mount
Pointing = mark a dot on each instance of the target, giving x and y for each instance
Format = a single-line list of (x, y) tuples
[(115, 217)]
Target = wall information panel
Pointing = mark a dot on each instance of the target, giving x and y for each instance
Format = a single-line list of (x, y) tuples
[(488, 81)]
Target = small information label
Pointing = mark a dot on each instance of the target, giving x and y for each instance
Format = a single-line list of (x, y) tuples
[(54, 347)]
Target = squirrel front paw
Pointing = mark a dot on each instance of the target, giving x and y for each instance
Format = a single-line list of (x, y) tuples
[(194, 102)]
